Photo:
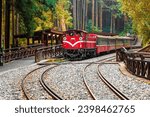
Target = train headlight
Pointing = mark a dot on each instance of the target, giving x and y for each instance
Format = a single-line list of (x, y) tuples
[(64, 39), (80, 38)]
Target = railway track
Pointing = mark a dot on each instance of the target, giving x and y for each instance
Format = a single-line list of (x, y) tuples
[(110, 86), (56, 88), (113, 89), (34, 87), (38, 87), (47, 88)]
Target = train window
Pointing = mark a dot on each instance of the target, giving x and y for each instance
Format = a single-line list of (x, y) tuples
[(79, 33), (71, 33), (111, 41), (101, 41)]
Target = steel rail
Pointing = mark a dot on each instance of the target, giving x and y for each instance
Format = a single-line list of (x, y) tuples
[(23, 82), (84, 75), (48, 90), (110, 86), (41, 80)]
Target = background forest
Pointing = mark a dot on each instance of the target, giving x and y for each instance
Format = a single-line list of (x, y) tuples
[(115, 16)]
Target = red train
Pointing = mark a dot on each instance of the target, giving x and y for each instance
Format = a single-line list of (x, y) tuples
[(80, 44)]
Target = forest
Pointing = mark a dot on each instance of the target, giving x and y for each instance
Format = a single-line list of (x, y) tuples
[(114, 16)]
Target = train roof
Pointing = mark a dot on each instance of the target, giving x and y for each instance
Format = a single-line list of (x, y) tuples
[(76, 30), (115, 37)]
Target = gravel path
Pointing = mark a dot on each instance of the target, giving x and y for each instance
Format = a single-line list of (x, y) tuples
[(16, 64)]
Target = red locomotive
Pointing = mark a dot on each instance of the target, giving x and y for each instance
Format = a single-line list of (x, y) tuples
[(80, 44)]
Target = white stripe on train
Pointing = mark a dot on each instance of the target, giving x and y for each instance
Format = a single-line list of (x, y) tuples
[(78, 42)]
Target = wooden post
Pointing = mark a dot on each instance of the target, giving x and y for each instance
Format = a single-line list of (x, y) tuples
[(51, 39), (42, 37), (57, 39), (46, 39), (33, 40), (28, 41)]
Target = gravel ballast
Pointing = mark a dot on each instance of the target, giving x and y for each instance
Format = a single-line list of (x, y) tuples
[(67, 81)]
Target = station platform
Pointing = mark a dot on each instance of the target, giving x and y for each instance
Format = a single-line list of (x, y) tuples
[(17, 63)]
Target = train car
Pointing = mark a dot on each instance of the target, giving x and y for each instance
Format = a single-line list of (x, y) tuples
[(80, 44), (109, 43)]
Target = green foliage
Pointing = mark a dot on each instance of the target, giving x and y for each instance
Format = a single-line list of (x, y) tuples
[(48, 3), (26, 10), (127, 29), (63, 15), (35, 14), (90, 28), (115, 9), (139, 12)]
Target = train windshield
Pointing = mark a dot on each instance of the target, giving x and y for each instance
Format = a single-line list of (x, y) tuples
[(70, 33), (75, 33)]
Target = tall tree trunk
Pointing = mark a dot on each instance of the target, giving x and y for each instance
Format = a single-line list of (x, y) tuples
[(112, 27), (0, 23), (96, 14), (78, 14), (93, 7), (74, 13), (114, 24), (83, 16), (16, 32), (13, 16), (7, 24), (111, 24), (101, 17), (17, 24), (63, 26), (86, 13)]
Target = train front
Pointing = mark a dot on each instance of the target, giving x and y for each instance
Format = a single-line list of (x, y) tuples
[(73, 43)]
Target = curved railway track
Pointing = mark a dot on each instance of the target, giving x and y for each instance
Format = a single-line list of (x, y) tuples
[(102, 78), (51, 93), (55, 88), (48, 90), (110, 86), (30, 79)]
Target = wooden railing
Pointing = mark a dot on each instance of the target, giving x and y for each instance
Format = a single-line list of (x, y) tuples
[(19, 53), (48, 52), (145, 49), (137, 63)]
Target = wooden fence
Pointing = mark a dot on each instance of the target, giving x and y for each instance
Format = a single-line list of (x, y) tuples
[(39, 51), (137, 63), (48, 52), (8, 55)]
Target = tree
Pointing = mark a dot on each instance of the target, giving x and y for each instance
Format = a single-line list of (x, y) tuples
[(139, 12), (32, 10), (44, 16), (63, 15)]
